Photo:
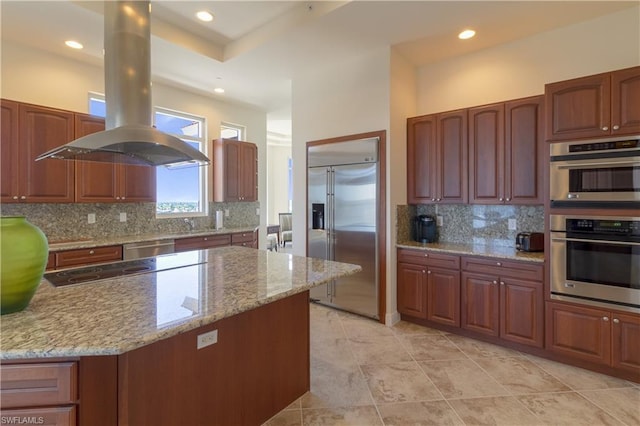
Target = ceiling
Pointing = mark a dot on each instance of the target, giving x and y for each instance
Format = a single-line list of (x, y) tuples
[(253, 48)]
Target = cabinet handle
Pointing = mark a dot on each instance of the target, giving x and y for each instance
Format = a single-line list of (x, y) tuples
[(616, 321), (605, 128), (616, 127), (605, 318), (91, 252), (495, 282)]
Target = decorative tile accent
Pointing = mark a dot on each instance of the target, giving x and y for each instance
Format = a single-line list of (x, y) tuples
[(62, 222)]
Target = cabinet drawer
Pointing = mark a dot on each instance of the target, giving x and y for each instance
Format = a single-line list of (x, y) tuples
[(58, 416), (427, 258), (51, 261), (88, 256), (242, 237), (203, 242), (28, 385), (503, 268)]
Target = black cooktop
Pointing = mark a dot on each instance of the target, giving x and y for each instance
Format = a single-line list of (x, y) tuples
[(118, 269)]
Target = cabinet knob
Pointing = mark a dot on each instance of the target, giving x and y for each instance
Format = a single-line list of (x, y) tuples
[(495, 282), (24, 197), (15, 197), (498, 263), (605, 318), (206, 239), (439, 199), (433, 199), (508, 199), (117, 198), (501, 199), (91, 252), (501, 282), (616, 127), (122, 198), (426, 255), (424, 272), (616, 321), (428, 272), (605, 128)]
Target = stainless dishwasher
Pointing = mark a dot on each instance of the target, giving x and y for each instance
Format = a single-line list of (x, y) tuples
[(147, 249)]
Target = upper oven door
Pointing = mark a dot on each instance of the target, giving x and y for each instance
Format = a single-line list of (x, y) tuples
[(614, 180)]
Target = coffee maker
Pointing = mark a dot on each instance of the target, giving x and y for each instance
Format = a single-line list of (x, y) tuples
[(425, 229)]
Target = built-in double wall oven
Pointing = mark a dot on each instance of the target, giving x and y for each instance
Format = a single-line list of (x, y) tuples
[(596, 260)]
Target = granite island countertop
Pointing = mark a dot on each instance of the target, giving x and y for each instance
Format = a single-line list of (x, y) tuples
[(487, 250), (117, 315), (80, 243)]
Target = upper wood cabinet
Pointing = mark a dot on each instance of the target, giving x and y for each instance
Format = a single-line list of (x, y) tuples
[(235, 171), (506, 151), (437, 158), (596, 106), (29, 131), (98, 182)]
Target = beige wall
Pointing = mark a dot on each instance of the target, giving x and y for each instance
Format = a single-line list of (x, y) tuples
[(522, 68), (277, 181), (34, 76)]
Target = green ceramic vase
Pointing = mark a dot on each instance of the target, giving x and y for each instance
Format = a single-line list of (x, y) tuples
[(23, 258)]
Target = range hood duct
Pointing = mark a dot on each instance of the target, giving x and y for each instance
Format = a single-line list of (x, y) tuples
[(129, 136)]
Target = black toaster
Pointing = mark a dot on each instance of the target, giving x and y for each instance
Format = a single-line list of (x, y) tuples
[(530, 241)]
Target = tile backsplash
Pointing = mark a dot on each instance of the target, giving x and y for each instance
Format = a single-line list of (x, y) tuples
[(474, 224), (62, 222)]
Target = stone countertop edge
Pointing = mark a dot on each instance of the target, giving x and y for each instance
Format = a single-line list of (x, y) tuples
[(112, 317), (485, 250), (126, 239)]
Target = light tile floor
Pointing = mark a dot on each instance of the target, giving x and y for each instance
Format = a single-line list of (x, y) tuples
[(363, 373)]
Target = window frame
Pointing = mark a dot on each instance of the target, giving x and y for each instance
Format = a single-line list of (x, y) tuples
[(242, 130)]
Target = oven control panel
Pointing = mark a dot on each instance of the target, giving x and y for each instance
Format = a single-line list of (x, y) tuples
[(604, 226)]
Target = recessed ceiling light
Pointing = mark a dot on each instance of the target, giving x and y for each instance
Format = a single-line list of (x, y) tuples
[(205, 16), (218, 90), (466, 34), (73, 44)]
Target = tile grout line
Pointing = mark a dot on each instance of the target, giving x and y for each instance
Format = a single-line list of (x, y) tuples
[(598, 405)]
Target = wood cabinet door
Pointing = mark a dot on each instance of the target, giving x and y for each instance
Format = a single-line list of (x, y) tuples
[(42, 129), (95, 182), (625, 342), (522, 312), (412, 290), (136, 183), (578, 108), (421, 159), (443, 296), (480, 308), (452, 167), (486, 144), (625, 102), (578, 332), (9, 144), (524, 151), (248, 172), (231, 183)]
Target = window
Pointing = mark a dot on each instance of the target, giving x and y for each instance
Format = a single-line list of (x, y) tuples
[(180, 192), (232, 131)]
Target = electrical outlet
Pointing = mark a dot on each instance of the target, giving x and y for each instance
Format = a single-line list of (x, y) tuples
[(258, 211), (91, 218), (439, 220), (512, 224), (123, 217), (207, 339), (226, 213)]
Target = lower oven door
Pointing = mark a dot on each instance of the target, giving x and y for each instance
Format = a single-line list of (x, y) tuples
[(597, 272)]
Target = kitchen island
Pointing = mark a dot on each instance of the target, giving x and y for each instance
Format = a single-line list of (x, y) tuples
[(222, 341)]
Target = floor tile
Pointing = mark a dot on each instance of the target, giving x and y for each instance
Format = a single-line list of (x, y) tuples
[(430, 347), (567, 408), (286, 418), (378, 350), (623, 404), (356, 327), (504, 410), (335, 385), (403, 328), (519, 375), (399, 382), (477, 349), (418, 414), (461, 378), (578, 378), (333, 350), (343, 416)]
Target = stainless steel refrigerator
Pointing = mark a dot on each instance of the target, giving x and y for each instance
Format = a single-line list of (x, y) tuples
[(342, 197)]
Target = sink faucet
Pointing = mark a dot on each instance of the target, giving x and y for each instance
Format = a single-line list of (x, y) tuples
[(189, 223)]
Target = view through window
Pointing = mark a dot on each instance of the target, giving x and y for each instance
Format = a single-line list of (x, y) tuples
[(182, 191)]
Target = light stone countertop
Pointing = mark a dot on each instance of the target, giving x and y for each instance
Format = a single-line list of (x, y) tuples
[(117, 315), (486, 250), (80, 243)]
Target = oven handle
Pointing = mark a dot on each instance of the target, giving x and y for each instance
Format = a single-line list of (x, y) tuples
[(622, 243), (586, 164)]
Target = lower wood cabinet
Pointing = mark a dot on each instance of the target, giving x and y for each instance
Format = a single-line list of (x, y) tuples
[(88, 256), (245, 239), (201, 242), (426, 289), (595, 335), (497, 301)]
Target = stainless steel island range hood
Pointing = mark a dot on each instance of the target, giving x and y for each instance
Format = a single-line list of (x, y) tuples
[(129, 136)]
